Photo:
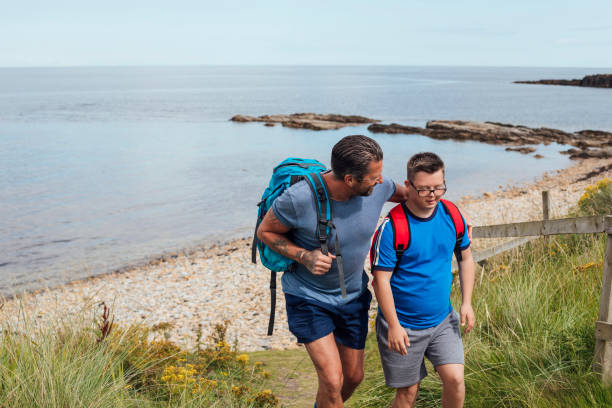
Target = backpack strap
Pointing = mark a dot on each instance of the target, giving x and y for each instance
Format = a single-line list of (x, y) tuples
[(323, 229), (457, 219), (324, 222), (401, 235), (401, 231)]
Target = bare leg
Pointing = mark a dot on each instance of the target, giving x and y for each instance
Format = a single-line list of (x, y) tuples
[(406, 397), (453, 385), (352, 369), (326, 359)]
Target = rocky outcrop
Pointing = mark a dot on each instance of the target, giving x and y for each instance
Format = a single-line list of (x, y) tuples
[(595, 81), (524, 150), (310, 121), (589, 143)]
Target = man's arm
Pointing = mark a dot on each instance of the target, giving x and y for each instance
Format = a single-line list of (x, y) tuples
[(466, 278), (274, 234), (400, 195), (398, 339), (468, 221)]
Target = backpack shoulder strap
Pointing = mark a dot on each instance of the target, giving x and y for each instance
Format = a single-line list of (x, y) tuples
[(321, 201), (401, 231), (401, 228), (457, 219), (325, 223), (455, 215)]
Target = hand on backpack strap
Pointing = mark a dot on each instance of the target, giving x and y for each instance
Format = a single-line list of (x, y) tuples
[(316, 261)]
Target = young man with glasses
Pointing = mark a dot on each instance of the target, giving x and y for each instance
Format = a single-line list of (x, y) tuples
[(415, 318)]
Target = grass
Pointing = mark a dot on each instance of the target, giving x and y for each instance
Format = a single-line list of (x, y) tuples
[(295, 378), (533, 343), (91, 363), (532, 346)]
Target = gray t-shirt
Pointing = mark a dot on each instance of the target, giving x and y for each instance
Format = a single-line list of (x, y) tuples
[(355, 221)]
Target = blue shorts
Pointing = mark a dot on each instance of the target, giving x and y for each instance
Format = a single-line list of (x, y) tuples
[(310, 320)]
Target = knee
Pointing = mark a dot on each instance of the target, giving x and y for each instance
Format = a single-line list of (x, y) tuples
[(332, 380), (354, 377), (408, 393), (454, 382)]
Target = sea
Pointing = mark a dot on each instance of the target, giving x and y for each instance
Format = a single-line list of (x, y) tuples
[(104, 167)]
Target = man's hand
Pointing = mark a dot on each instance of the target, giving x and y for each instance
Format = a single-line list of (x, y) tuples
[(398, 339), (467, 314), (468, 222), (315, 261)]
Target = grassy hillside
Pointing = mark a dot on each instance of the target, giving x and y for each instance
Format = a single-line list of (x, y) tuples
[(532, 347)]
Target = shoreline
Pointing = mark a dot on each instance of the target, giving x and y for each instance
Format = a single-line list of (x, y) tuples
[(198, 287)]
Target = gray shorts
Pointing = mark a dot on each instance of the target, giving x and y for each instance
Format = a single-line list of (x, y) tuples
[(441, 344)]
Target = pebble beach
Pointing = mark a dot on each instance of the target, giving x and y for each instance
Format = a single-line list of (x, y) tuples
[(194, 290)]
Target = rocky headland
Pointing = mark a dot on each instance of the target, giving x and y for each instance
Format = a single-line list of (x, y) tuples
[(587, 143), (311, 121), (594, 81)]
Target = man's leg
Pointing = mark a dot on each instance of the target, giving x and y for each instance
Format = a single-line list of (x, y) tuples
[(406, 397), (352, 369), (326, 359), (453, 385)]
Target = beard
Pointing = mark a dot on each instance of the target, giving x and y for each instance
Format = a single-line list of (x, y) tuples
[(367, 192)]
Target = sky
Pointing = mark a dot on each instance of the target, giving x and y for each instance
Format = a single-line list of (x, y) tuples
[(286, 32)]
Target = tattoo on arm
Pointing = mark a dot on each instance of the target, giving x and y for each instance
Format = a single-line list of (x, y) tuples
[(309, 260), (280, 246)]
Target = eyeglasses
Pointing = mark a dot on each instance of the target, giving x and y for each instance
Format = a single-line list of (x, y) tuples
[(424, 192)]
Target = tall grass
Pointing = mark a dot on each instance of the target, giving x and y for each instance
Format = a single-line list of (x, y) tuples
[(533, 342), (79, 363), (62, 366)]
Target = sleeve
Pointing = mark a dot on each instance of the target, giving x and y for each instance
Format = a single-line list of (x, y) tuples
[(284, 210), (390, 186), (383, 252), (465, 242)]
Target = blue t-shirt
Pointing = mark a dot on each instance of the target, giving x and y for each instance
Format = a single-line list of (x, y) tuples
[(421, 285), (355, 220)]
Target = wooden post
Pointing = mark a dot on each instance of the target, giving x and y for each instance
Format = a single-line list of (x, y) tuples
[(546, 211), (545, 205), (603, 328)]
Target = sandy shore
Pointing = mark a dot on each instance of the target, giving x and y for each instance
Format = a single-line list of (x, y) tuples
[(210, 285)]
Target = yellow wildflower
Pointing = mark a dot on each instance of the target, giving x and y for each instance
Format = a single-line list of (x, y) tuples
[(243, 358)]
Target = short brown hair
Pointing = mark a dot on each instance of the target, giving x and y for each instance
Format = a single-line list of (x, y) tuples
[(425, 161), (353, 154)]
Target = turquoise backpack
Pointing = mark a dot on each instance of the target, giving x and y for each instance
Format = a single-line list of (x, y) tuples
[(286, 174)]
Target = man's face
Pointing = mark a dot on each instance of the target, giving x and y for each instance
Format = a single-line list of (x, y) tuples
[(425, 181), (372, 178)]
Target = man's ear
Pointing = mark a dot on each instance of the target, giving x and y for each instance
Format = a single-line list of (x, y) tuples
[(349, 179), (407, 183)]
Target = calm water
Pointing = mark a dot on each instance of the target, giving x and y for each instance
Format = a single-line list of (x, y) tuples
[(102, 167)]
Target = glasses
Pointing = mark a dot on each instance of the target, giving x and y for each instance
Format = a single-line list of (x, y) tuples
[(424, 192)]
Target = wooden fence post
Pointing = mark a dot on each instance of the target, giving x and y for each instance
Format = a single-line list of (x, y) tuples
[(603, 327), (546, 210), (545, 205)]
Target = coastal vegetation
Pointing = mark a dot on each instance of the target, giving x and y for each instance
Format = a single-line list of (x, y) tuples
[(91, 362), (534, 339), (532, 346)]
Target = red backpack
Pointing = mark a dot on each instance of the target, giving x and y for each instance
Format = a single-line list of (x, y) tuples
[(401, 230)]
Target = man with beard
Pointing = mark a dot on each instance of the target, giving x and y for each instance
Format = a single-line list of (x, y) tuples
[(332, 328)]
